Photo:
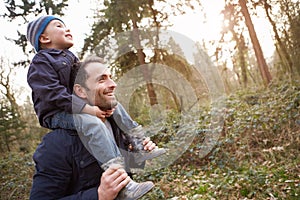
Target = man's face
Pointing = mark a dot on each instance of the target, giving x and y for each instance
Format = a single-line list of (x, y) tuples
[(100, 86)]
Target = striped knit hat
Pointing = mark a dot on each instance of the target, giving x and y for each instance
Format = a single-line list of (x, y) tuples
[(36, 27)]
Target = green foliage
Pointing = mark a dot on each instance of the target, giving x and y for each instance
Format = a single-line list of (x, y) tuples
[(26, 7), (291, 30), (11, 126), (257, 156), (19, 128), (16, 170), (113, 17)]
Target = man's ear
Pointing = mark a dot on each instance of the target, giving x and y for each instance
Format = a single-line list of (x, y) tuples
[(80, 91), (44, 39)]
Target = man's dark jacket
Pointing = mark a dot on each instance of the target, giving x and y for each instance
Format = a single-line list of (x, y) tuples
[(65, 169)]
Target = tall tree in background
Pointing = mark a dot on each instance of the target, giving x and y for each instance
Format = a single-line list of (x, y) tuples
[(231, 14), (11, 121), (284, 16), (290, 19), (281, 48), (121, 16), (263, 67), (5, 83)]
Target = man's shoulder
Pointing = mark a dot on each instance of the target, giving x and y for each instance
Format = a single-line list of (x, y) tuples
[(62, 132), (61, 136)]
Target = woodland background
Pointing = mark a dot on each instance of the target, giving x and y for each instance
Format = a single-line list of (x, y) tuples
[(257, 155)]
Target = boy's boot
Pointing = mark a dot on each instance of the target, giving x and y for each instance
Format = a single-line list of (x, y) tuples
[(132, 190), (136, 138)]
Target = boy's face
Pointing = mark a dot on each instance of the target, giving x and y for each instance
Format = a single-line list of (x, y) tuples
[(56, 36)]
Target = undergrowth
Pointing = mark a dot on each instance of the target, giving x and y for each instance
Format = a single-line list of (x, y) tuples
[(256, 157)]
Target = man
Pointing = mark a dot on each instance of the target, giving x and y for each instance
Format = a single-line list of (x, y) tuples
[(65, 169)]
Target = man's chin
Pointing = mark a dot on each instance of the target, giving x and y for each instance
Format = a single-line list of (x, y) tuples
[(110, 106)]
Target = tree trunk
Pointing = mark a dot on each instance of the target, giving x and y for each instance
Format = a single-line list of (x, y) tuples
[(263, 67), (282, 51), (145, 70)]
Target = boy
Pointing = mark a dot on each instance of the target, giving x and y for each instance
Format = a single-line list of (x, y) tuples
[(49, 77)]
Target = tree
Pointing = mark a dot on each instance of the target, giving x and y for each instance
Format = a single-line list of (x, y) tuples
[(281, 48), (11, 122), (120, 16), (240, 56), (263, 67), (289, 17), (11, 126), (5, 83)]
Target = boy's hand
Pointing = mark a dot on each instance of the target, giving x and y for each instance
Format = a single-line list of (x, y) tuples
[(108, 113), (148, 144), (99, 113), (94, 110)]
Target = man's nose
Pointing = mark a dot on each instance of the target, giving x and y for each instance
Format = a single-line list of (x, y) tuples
[(112, 83)]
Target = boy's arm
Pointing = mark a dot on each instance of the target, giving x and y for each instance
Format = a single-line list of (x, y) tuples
[(96, 111), (44, 80)]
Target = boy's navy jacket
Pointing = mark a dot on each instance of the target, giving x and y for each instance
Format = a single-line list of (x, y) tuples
[(50, 78)]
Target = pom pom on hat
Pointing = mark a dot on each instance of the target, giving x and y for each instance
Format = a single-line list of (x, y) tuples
[(36, 27)]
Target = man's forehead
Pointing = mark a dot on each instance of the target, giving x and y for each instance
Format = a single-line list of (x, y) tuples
[(101, 68)]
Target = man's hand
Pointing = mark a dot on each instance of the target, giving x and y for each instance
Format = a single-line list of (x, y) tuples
[(112, 181)]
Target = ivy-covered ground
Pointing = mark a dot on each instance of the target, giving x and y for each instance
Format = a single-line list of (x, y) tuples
[(256, 157)]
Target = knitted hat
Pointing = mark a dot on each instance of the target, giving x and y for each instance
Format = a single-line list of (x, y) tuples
[(36, 27)]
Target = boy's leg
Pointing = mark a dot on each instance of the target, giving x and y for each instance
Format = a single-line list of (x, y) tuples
[(123, 119), (96, 137), (136, 140), (61, 120), (135, 134), (100, 142)]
